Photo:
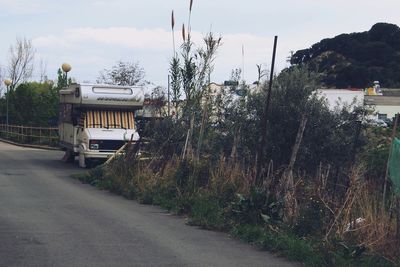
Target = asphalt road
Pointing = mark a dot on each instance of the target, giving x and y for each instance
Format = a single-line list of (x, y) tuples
[(50, 219)]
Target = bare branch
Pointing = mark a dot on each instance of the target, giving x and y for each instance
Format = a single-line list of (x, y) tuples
[(21, 61), (123, 73), (43, 70)]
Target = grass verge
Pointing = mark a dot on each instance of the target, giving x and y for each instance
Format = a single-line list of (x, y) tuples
[(208, 210)]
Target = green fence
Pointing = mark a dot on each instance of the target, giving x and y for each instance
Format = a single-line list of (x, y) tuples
[(30, 135)]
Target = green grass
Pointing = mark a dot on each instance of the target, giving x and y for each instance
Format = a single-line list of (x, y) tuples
[(284, 244), (210, 212), (308, 251), (207, 212)]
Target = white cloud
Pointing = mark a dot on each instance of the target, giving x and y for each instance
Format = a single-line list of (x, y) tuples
[(21, 6), (114, 36), (86, 48), (102, 31)]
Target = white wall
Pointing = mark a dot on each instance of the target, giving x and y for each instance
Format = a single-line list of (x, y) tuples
[(390, 111), (341, 97)]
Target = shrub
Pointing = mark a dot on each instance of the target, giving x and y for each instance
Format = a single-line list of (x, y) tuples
[(256, 208), (207, 212), (310, 221)]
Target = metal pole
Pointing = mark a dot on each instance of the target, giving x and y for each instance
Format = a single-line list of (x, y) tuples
[(263, 126), (7, 112)]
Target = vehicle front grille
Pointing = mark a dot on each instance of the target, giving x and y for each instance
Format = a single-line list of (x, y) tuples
[(109, 145)]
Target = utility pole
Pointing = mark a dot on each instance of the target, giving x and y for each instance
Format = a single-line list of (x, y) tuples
[(264, 120)]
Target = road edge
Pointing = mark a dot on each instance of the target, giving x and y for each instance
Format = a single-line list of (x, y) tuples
[(29, 145)]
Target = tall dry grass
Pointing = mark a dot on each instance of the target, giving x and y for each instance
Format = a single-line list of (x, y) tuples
[(378, 231), (359, 216), (354, 214), (228, 175)]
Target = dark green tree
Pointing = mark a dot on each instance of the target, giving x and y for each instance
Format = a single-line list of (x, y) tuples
[(33, 104), (356, 59), (62, 79)]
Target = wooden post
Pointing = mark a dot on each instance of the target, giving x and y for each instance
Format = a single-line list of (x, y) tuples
[(290, 209), (388, 160), (297, 143), (116, 153), (186, 143)]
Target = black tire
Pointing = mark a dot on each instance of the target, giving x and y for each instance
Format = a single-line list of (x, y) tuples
[(69, 156), (89, 163)]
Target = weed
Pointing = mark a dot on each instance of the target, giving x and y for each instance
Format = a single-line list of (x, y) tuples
[(310, 221), (256, 208), (207, 212), (279, 241)]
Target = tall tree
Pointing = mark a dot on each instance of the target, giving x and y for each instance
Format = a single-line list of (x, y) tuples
[(123, 73), (62, 79), (21, 61)]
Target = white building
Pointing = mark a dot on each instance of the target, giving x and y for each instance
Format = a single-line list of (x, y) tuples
[(385, 103), (342, 97), (386, 107)]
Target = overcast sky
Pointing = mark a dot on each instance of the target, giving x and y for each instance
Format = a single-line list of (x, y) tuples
[(93, 34)]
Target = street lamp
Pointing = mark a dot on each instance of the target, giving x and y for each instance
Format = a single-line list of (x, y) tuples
[(66, 68), (7, 82)]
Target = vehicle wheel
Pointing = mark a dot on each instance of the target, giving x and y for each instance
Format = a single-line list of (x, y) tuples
[(69, 156), (89, 163), (82, 160)]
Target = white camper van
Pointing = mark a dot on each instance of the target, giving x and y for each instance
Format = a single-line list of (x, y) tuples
[(96, 120)]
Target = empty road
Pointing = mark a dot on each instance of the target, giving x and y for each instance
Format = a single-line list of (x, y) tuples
[(50, 219)]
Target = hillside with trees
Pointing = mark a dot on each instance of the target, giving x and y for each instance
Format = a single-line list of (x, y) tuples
[(356, 59)]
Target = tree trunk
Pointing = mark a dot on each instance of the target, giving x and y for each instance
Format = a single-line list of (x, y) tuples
[(290, 210)]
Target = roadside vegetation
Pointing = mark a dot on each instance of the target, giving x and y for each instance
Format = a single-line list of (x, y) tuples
[(332, 215), (319, 199)]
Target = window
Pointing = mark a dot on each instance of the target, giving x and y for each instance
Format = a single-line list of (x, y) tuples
[(382, 116), (120, 91)]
